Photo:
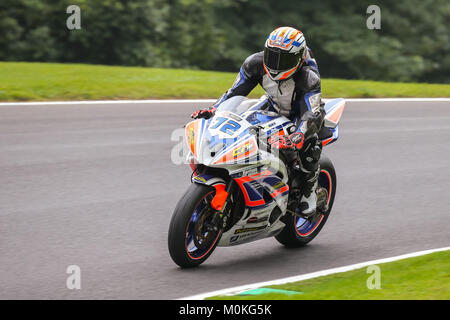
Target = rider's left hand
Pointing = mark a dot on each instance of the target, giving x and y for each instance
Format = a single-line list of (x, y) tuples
[(292, 142), (206, 113)]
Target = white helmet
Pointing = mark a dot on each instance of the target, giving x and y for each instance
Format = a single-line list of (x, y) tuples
[(284, 52)]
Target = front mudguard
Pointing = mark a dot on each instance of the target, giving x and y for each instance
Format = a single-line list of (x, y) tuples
[(219, 184), (208, 180)]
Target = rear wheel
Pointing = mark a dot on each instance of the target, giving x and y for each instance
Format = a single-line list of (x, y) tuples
[(299, 231), (192, 237)]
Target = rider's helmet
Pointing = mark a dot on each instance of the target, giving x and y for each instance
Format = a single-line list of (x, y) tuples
[(284, 52)]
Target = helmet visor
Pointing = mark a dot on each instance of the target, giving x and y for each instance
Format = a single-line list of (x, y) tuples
[(278, 60)]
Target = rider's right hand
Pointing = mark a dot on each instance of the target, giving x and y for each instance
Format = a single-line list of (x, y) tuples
[(204, 113), (313, 122), (285, 142)]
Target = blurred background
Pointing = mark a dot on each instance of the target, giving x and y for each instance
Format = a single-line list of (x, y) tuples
[(411, 46)]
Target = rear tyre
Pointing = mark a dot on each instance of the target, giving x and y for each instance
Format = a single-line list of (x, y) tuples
[(191, 240), (298, 231)]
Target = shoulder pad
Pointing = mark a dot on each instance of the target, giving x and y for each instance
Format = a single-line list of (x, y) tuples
[(309, 79), (253, 65)]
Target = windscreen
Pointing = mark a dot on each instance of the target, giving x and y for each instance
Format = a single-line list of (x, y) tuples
[(240, 104), (232, 104)]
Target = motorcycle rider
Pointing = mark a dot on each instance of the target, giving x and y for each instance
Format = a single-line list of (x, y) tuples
[(288, 72)]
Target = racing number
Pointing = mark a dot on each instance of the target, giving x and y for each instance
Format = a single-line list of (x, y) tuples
[(228, 127)]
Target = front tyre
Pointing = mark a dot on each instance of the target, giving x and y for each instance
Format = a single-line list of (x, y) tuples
[(191, 237), (299, 231)]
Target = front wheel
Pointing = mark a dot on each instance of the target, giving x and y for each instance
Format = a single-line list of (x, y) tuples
[(191, 237), (299, 231)]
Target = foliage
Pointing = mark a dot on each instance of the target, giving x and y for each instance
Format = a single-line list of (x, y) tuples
[(412, 45)]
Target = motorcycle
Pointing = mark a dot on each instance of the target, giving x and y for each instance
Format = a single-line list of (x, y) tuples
[(241, 190)]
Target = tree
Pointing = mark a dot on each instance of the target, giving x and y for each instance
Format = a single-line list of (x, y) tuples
[(412, 44)]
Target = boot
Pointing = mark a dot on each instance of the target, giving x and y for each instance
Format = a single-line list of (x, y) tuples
[(308, 202), (310, 169)]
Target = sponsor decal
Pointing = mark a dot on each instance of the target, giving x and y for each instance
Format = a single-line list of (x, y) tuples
[(198, 178), (250, 235), (242, 149), (256, 219), (191, 129), (269, 125), (244, 230), (278, 185), (191, 137)]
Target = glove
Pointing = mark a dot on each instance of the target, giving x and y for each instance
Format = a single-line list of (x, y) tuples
[(292, 142), (313, 122), (204, 113)]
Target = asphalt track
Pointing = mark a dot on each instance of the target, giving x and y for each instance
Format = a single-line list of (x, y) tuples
[(94, 186)]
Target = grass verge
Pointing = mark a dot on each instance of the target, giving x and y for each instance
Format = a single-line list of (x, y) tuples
[(424, 277), (24, 81)]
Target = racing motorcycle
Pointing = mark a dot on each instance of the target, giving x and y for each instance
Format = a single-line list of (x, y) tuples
[(241, 190)]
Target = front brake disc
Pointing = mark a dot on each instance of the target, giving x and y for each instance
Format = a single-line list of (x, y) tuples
[(202, 234)]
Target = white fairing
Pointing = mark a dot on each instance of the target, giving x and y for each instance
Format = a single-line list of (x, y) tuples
[(243, 232)]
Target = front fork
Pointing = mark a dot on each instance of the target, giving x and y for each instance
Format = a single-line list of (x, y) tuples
[(218, 205)]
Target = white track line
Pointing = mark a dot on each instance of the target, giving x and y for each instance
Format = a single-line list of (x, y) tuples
[(236, 290), (45, 103), (396, 99), (96, 102)]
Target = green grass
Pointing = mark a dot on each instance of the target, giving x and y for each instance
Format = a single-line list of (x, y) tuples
[(424, 277), (24, 81)]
